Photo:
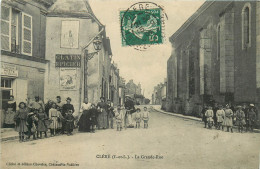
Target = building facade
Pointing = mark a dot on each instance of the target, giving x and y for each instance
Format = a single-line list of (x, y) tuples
[(114, 84), (70, 29), (121, 91), (23, 62), (215, 57)]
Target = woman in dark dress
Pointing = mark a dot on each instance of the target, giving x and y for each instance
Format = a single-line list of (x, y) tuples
[(84, 121)]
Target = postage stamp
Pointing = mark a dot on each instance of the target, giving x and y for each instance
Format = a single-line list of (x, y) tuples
[(142, 25)]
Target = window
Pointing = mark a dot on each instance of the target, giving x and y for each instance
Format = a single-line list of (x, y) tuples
[(5, 27), (14, 32), (218, 43), (6, 88), (246, 26), (10, 28), (26, 34)]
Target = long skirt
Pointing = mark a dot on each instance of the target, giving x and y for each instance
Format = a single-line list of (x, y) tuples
[(21, 126), (55, 123), (41, 126), (84, 122), (102, 120), (228, 122)]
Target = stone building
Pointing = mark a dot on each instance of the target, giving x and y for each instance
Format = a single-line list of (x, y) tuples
[(114, 84), (23, 62), (121, 91), (71, 28), (215, 57), (132, 88)]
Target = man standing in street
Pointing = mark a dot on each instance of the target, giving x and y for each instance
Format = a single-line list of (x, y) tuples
[(111, 115), (102, 117)]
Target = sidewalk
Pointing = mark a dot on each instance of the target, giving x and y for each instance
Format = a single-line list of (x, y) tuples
[(8, 134), (158, 109)]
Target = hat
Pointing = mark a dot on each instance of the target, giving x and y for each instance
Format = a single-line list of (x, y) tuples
[(102, 97), (68, 98), (239, 106), (227, 105), (252, 105)]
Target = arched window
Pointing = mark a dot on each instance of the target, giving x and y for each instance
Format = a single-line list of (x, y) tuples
[(218, 43), (246, 26)]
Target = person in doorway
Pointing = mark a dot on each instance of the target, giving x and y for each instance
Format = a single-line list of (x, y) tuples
[(138, 118), (41, 127), (119, 115), (204, 118), (209, 114), (251, 117), (240, 119), (84, 116), (56, 118), (65, 109), (10, 113), (228, 121), (102, 117), (146, 116), (111, 115), (20, 119), (220, 117)]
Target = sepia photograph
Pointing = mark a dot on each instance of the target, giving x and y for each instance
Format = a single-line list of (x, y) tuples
[(127, 84)]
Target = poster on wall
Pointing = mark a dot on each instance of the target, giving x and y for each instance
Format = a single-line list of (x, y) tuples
[(69, 34), (68, 78)]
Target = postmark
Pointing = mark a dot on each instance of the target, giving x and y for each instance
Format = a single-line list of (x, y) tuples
[(142, 25)]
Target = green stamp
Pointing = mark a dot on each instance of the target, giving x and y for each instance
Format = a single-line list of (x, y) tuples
[(141, 27)]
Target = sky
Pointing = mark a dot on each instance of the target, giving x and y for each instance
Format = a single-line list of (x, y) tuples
[(146, 67)]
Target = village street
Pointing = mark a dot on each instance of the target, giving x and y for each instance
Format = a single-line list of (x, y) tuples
[(170, 143)]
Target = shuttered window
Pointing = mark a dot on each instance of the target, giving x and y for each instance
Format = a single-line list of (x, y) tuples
[(5, 28), (26, 34)]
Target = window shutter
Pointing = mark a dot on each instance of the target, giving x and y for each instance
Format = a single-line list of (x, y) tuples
[(5, 28), (26, 34)]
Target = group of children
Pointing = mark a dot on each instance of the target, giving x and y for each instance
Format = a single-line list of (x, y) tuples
[(226, 117), (138, 116), (34, 122)]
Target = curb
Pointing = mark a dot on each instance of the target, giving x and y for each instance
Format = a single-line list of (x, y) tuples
[(191, 118)]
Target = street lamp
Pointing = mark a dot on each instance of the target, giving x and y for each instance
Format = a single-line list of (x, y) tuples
[(97, 43)]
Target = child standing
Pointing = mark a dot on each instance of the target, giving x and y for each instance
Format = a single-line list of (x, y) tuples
[(251, 117), (220, 117), (138, 118), (20, 118), (32, 122), (41, 123), (146, 115), (119, 118), (204, 118), (54, 116), (69, 122), (209, 114), (93, 120), (228, 118), (240, 119)]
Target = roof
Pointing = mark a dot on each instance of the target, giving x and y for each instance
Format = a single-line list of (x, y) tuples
[(77, 8), (191, 19)]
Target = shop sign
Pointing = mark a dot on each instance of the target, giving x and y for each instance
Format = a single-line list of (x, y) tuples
[(9, 70), (67, 60)]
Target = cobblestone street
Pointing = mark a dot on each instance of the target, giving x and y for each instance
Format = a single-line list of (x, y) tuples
[(170, 142)]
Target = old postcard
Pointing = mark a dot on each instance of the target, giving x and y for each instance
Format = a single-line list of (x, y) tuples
[(158, 84)]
